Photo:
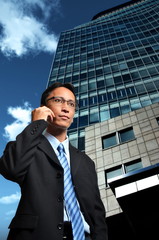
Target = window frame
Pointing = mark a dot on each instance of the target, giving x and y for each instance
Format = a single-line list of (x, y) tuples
[(121, 167), (118, 137)]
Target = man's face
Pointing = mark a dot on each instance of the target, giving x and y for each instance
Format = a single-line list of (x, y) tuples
[(63, 111)]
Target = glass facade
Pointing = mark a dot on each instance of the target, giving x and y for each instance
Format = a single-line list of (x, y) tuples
[(113, 62)]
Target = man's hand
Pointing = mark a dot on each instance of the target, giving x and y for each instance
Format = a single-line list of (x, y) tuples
[(44, 113)]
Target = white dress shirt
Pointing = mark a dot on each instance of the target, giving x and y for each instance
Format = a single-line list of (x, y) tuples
[(55, 143)]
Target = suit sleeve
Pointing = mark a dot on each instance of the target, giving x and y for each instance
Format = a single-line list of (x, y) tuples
[(100, 226), (100, 218), (18, 154)]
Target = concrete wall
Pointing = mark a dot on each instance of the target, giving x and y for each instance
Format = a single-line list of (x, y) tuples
[(144, 146)]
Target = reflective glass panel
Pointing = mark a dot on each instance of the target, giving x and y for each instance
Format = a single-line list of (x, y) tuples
[(126, 135), (112, 174), (133, 166), (109, 141)]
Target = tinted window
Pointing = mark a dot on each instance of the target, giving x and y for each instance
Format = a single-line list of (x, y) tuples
[(109, 141), (126, 135)]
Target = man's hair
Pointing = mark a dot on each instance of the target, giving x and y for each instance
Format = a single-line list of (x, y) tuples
[(55, 85)]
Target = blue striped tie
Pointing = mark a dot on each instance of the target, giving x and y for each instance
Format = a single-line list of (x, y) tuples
[(70, 198)]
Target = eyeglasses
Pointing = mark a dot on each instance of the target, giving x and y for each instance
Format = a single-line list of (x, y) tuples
[(60, 100)]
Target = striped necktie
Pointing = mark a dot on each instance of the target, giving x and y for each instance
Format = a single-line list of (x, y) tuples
[(70, 198)]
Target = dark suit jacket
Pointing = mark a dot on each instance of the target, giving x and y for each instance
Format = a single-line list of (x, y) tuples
[(31, 162)]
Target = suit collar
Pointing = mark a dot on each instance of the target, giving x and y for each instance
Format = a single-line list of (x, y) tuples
[(46, 147), (75, 157), (55, 143)]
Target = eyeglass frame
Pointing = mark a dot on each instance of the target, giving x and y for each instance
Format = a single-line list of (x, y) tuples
[(63, 101)]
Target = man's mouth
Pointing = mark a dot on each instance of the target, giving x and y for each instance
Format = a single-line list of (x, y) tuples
[(64, 117)]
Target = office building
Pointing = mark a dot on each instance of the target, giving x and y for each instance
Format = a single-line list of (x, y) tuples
[(125, 150), (113, 62)]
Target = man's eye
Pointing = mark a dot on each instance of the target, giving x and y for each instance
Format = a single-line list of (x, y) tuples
[(57, 100), (71, 104)]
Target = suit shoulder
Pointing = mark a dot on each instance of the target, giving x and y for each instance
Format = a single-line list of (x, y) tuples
[(81, 154)]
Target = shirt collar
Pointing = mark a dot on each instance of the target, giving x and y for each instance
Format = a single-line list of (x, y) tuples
[(55, 142)]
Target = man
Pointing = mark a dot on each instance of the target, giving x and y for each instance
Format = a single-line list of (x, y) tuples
[(34, 161)]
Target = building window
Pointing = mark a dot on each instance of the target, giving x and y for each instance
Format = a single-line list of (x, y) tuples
[(119, 137), (81, 140), (104, 113), (126, 135), (83, 118), (110, 141), (94, 115), (117, 172), (113, 174), (73, 138)]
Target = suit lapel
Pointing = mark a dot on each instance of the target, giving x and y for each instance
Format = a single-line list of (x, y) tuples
[(46, 147), (75, 159)]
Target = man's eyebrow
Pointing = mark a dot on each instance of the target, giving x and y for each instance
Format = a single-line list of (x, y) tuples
[(62, 98)]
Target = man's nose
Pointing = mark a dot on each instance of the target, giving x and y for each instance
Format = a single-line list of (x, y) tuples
[(65, 107)]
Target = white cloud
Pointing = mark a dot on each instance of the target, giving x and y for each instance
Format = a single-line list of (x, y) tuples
[(10, 213), (22, 116), (24, 26), (13, 198)]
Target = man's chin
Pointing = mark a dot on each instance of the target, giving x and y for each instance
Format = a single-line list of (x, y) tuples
[(61, 126)]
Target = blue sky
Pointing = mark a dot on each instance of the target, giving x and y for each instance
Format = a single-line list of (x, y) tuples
[(29, 32)]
